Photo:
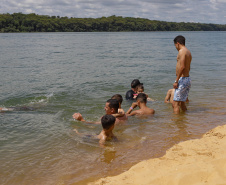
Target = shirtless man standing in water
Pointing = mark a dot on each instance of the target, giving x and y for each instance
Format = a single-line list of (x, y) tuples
[(182, 83)]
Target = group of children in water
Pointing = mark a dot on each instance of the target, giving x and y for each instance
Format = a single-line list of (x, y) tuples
[(115, 115)]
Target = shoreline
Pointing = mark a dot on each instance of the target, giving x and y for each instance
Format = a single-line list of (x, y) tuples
[(198, 161)]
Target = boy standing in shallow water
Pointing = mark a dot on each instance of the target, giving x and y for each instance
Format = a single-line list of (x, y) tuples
[(108, 123), (170, 95), (141, 103)]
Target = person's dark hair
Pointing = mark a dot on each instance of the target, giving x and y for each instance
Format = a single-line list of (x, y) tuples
[(117, 97), (135, 83), (140, 86), (142, 98), (180, 39), (107, 121), (113, 103)]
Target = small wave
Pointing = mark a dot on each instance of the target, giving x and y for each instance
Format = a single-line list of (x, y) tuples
[(143, 139), (32, 102), (41, 101)]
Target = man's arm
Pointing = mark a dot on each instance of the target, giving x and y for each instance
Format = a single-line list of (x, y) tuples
[(133, 106), (133, 113), (79, 117), (118, 115), (182, 60)]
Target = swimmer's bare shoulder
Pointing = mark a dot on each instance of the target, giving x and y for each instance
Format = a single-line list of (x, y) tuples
[(102, 141)]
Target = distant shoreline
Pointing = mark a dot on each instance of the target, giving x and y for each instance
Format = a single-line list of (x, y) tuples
[(19, 22)]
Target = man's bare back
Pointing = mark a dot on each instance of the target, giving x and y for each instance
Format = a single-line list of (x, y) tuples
[(144, 111), (141, 103)]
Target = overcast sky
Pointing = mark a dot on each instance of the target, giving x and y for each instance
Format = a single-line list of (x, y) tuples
[(203, 11)]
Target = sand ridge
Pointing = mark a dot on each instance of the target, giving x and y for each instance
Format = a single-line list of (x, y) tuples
[(194, 162)]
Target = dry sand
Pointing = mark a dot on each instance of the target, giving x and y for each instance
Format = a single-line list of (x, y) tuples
[(194, 162)]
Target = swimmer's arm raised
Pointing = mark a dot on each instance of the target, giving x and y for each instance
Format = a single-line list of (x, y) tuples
[(133, 113), (79, 117), (133, 106)]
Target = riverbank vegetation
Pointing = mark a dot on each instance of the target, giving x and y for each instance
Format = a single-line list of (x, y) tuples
[(19, 22)]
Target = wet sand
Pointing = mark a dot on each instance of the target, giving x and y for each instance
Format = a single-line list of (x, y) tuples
[(199, 161)]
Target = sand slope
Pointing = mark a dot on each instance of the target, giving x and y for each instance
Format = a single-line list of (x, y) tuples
[(195, 162)]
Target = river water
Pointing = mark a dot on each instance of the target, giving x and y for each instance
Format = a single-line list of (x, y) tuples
[(58, 74)]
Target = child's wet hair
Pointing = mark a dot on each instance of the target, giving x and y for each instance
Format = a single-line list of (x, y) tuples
[(117, 97), (142, 98), (140, 86), (107, 121)]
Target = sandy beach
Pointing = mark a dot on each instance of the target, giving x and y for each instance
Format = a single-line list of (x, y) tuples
[(199, 161)]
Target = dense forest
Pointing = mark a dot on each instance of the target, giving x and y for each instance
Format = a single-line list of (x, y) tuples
[(19, 22)]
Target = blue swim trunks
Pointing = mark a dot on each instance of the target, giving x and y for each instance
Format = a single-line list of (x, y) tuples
[(181, 93)]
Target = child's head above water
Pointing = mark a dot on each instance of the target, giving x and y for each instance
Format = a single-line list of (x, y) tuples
[(118, 97), (142, 98), (107, 121), (140, 88)]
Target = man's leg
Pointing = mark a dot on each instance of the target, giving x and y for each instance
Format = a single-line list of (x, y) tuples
[(183, 106), (176, 107)]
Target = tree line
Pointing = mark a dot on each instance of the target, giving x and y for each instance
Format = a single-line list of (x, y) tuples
[(19, 22)]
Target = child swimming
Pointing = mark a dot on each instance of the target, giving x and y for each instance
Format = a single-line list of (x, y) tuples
[(108, 123), (24, 108)]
